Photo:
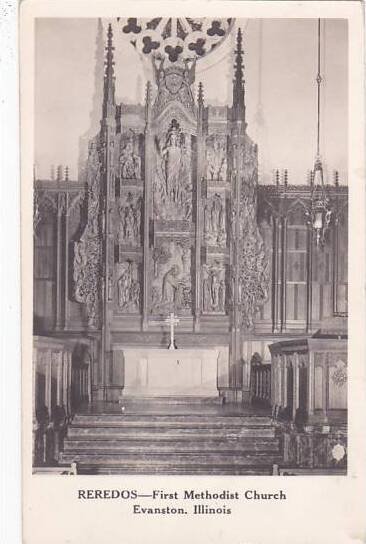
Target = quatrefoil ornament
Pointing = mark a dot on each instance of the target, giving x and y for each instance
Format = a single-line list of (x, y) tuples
[(176, 39)]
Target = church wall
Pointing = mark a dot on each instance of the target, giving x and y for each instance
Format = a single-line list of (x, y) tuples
[(45, 273), (308, 281), (328, 295), (171, 219)]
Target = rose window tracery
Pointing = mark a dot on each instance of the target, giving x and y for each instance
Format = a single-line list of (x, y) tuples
[(181, 38)]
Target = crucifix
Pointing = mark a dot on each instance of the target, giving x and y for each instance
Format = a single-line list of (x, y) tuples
[(172, 321)]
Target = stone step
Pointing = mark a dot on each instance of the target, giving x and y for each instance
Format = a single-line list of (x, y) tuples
[(169, 400), (161, 462), (173, 432), (128, 420), (170, 446), (193, 470)]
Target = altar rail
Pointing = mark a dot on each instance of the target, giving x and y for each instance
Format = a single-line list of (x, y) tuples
[(61, 382)]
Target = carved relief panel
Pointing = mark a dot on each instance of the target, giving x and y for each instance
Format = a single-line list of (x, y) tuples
[(216, 158), (128, 291), (171, 273), (215, 220), (213, 288), (87, 267), (129, 167), (253, 264), (128, 220), (172, 183)]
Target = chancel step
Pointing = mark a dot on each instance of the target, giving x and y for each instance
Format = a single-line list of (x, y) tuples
[(162, 445), (142, 420), (195, 440), (130, 401)]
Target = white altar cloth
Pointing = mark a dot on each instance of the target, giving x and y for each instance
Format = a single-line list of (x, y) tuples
[(162, 372)]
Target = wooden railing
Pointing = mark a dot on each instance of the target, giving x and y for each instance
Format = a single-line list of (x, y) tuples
[(61, 382), (260, 384)]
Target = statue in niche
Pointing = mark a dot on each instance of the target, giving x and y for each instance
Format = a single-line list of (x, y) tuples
[(217, 160), (130, 221), (214, 291), (130, 163), (129, 288), (222, 296), (172, 157), (172, 183), (174, 83), (214, 222), (171, 284), (205, 287), (213, 288)]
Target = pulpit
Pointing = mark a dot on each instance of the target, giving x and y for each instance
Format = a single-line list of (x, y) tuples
[(309, 378), (167, 373)]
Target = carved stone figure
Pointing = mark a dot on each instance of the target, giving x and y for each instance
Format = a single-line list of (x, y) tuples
[(213, 288), (130, 163), (172, 178), (171, 281), (170, 285), (129, 232), (174, 83), (206, 297), (222, 296), (217, 159), (214, 221), (129, 288)]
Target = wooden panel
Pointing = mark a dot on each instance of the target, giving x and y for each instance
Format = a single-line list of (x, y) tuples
[(44, 294)]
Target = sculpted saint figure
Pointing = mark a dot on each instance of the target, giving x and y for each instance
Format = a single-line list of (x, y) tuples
[(215, 286), (130, 163), (172, 161), (129, 224), (217, 165), (170, 284), (222, 296), (206, 296), (124, 284)]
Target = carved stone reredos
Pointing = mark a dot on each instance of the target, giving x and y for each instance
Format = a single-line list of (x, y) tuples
[(174, 83)]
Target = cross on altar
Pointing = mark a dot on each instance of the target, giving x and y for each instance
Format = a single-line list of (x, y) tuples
[(172, 321)]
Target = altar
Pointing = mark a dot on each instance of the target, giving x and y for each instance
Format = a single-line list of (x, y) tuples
[(168, 373)]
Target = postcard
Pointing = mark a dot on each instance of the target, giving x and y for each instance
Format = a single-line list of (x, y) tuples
[(193, 264)]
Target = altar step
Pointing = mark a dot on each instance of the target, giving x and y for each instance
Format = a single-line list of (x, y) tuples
[(189, 400), (161, 443)]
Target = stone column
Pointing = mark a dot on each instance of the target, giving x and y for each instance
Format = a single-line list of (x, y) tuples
[(90, 380), (35, 426), (59, 263), (66, 267), (65, 370), (149, 145), (284, 384), (273, 380), (275, 270), (283, 274), (325, 388), (311, 385), (48, 380), (59, 378), (295, 365), (200, 175), (309, 282)]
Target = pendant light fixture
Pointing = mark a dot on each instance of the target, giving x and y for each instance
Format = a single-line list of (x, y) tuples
[(320, 212)]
